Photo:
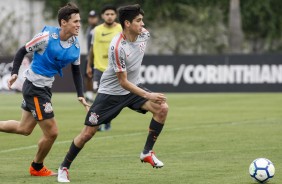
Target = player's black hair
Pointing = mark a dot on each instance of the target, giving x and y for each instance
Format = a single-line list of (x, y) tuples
[(109, 7), (65, 12), (129, 12)]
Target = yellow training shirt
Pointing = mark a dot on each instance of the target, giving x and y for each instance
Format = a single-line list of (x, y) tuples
[(102, 38)]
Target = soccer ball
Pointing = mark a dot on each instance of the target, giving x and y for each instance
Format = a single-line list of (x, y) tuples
[(262, 170)]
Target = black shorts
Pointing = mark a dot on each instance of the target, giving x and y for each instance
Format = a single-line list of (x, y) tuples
[(37, 100), (97, 74), (107, 107)]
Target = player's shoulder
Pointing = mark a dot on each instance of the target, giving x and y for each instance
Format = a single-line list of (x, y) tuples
[(144, 35), (118, 39), (99, 28), (38, 41), (118, 27), (51, 29), (118, 42), (41, 35)]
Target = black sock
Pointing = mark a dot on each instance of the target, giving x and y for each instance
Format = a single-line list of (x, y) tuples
[(72, 153), (154, 131), (37, 166)]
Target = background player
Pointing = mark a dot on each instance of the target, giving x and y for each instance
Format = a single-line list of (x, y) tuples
[(98, 54), (93, 20)]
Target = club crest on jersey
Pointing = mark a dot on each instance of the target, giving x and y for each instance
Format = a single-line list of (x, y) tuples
[(54, 35), (48, 107), (93, 118)]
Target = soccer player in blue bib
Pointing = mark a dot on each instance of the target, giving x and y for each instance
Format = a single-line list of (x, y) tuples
[(120, 87), (53, 48)]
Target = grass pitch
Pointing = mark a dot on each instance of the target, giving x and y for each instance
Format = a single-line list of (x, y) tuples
[(209, 138)]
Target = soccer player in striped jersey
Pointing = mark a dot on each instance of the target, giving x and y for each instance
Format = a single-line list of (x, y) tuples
[(120, 87), (53, 49)]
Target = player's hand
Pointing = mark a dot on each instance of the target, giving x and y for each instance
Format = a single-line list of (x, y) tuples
[(89, 71), (84, 103), (157, 97), (12, 79)]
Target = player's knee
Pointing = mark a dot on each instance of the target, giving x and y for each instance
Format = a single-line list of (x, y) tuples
[(25, 132), (53, 135), (164, 109), (162, 113)]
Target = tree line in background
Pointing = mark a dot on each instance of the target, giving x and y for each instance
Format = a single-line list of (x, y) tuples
[(199, 26)]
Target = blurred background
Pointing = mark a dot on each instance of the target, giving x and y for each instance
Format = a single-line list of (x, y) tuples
[(219, 29)]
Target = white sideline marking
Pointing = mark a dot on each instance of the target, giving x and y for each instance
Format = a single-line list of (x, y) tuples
[(136, 134)]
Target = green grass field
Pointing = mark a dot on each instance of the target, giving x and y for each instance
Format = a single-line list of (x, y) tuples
[(209, 138)]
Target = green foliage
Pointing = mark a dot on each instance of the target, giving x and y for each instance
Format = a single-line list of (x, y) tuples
[(261, 19)]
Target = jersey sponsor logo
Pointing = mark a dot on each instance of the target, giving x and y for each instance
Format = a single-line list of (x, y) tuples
[(105, 34), (93, 118), (54, 35), (36, 45), (48, 107), (122, 63), (112, 53)]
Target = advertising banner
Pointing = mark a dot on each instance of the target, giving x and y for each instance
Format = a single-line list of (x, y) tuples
[(202, 73), (220, 73)]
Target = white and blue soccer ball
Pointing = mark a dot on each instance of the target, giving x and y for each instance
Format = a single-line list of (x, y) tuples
[(262, 170)]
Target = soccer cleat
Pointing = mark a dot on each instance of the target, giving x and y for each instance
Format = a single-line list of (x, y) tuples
[(43, 172), (152, 159), (63, 175)]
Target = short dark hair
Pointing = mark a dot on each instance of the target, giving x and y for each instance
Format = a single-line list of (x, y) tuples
[(65, 12), (109, 7), (129, 12)]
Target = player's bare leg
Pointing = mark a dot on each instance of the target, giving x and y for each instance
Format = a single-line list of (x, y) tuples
[(50, 133), (24, 127)]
